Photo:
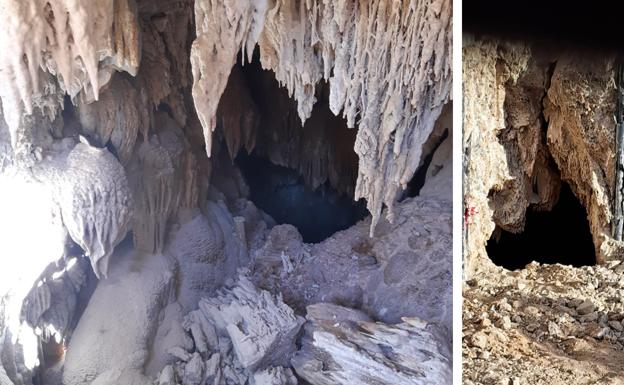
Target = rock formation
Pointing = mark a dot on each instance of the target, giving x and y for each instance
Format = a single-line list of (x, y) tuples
[(335, 43), (121, 132), (535, 118), (343, 346)]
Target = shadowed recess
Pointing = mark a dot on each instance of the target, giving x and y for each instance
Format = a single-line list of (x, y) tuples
[(558, 236), (282, 193)]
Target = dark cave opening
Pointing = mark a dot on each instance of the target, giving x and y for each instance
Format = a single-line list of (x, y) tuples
[(282, 193), (561, 235), (300, 174)]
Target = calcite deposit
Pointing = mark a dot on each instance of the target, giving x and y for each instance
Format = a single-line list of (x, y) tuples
[(140, 141)]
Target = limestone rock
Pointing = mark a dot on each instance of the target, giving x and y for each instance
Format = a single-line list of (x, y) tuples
[(95, 201), (338, 349), (274, 376), (262, 328), (112, 341), (222, 354)]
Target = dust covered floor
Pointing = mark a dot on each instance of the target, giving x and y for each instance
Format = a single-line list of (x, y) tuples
[(546, 324)]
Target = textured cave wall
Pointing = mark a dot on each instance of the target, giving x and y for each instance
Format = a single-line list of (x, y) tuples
[(580, 109), (534, 118), (395, 91)]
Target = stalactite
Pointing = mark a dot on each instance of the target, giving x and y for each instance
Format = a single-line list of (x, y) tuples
[(351, 45), (80, 43)]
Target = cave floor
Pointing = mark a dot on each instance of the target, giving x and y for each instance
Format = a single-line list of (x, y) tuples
[(545, 324)]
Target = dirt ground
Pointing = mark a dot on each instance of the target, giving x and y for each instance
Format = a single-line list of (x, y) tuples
[(545, 324)]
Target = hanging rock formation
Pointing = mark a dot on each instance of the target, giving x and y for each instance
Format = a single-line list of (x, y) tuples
[(62, 38), (340, 43)]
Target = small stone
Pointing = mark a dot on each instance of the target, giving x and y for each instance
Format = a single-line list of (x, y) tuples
[(167, 376), (504, 323), (194, 370), (585, 307), (180, 353), (531, 310), (602, 333), (514, 381), (479, 340), (554, 329), (592, 317), (505, 306), (532, 327)]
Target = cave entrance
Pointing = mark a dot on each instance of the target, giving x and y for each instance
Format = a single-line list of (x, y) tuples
[(303, 175), (561, 235)]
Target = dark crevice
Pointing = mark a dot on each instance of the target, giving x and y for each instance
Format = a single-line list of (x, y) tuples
[(303, 174), (418, 180), (558, 236)]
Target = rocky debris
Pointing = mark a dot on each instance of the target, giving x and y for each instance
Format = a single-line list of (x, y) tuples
[(405, 270), (274, 376), (545, 324), (262, 328), (340, 346), (242, 334)]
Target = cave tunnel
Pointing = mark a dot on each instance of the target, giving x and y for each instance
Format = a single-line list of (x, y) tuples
[(303, 175), (561, 235)]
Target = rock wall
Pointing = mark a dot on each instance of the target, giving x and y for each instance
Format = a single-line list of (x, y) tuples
[(534, 118)]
